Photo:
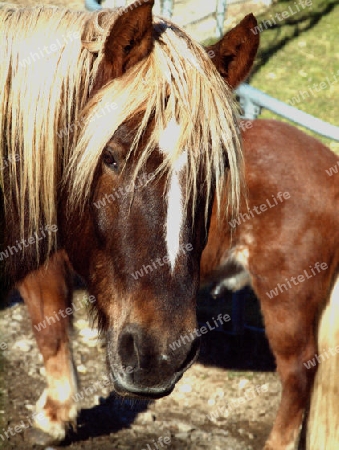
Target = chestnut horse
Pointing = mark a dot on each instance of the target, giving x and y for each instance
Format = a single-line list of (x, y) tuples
[(92, 103), (284, 243)]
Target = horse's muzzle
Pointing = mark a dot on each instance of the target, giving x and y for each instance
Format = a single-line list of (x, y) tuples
[(144, 369)]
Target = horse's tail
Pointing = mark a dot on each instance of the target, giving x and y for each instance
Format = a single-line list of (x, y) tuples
[(4, 282), (323, 421)]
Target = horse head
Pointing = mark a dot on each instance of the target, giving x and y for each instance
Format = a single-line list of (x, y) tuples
[(160, 130)]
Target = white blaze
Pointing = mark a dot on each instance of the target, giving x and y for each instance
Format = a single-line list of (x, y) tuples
[(175, 198)]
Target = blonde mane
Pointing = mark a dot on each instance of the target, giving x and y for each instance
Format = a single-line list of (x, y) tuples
[(50, 128)]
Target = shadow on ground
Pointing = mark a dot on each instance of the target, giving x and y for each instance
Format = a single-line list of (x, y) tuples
[(110, 416), (225, 349), (296, 27)]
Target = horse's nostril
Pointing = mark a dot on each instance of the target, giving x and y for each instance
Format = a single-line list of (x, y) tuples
[(139, 351), (136, 348), (128, 350)]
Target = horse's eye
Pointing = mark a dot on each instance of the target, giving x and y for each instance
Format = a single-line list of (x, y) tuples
[(128, 48), (110, 161)]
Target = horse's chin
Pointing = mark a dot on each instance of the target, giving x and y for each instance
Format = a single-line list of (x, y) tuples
[(141, 393)]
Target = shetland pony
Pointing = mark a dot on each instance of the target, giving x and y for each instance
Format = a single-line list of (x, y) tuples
[(284, 243), (92, 103)]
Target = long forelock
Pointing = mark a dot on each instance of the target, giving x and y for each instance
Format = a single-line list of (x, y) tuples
[(42, 92), (55, 139), (176, 81)]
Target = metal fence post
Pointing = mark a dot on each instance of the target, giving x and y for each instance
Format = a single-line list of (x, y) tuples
[(251, 110), (220, 17), (252, 100), (167, 8)]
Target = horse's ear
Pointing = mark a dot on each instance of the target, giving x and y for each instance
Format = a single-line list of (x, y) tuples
[(129, 40), (234, 54)]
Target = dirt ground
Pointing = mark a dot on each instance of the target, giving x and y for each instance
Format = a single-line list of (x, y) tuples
[(226, 401)]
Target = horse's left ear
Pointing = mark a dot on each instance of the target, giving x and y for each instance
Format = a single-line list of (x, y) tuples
[(234, 54), (129, 40)]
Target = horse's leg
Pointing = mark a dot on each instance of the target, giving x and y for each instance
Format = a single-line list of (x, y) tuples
[(47, 293), (290, 327)]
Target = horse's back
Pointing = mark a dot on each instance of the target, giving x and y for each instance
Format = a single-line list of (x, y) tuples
[(281, 156), (291, 200), (282, 159)]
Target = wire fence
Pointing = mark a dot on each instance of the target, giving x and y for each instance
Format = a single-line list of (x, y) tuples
[(215, 9), (252, 100)]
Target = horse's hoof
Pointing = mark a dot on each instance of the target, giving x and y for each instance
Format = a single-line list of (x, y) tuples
[(39, 437)]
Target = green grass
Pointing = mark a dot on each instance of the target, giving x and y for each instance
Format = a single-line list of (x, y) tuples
[(298, 52)]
